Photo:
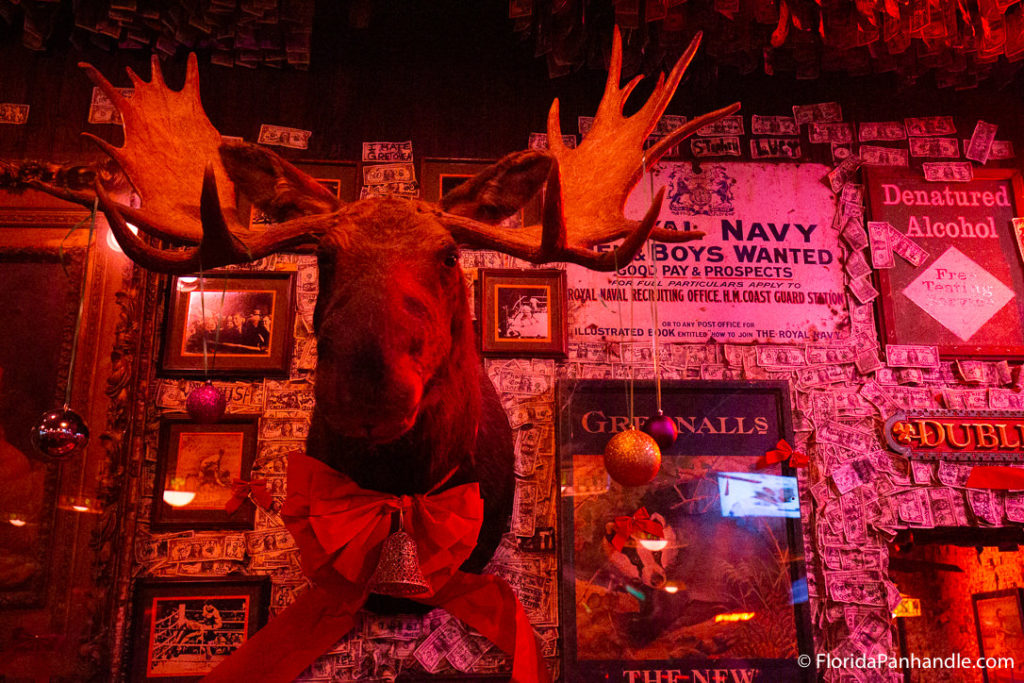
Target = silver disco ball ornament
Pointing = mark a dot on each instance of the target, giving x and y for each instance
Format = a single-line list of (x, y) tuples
[(60, 434)]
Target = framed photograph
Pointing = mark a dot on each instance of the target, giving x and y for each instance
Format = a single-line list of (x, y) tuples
[(183, 628), (717, 582), (522, 312), (438, 177), (998, 618), (203, 459), (965, 295), (241, 322)]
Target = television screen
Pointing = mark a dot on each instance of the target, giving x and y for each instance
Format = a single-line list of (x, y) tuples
[(752, 494)]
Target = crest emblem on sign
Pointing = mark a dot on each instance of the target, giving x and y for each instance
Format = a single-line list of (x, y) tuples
[(706, 192)]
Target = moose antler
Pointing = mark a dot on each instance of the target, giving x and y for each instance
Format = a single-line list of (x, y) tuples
[(172, 157), (587, 187)]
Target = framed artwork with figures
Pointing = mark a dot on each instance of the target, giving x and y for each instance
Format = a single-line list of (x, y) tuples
[(203, 460), (522, 312), (183, 628), (229, 323)]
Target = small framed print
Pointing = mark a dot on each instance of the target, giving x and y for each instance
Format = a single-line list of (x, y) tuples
[(522, 312), (182, 629), (203, 459), (230, 324), (1000, 623)]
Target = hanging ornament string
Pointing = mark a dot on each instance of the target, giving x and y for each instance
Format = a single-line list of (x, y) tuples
[(81, 300), (654, 299), (202, 312), (632, 377), (216, 336), (662, 428), (628, 385), (62, 434), (206, 404)]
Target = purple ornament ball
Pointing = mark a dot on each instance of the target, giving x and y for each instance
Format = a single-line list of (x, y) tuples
[(206, 404), (60, 434), (662, 429)]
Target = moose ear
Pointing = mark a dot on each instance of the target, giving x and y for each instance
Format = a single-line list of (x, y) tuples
[(276, 187), (501, 189)]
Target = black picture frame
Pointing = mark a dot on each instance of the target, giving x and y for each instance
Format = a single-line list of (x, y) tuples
[(172, 627), (186, 454), (522, 312), (679, 592), (902, 321), (250, 318)]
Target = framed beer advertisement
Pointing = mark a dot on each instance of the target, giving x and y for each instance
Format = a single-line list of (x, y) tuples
[(697, 575), (229, 324), (948, 261), (183, 628), (522, 312), (195, 469)]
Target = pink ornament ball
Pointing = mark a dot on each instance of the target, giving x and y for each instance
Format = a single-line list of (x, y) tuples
[(60, 434), (206, 404), (662, 429)]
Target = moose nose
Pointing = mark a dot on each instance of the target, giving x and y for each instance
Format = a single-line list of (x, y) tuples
[(369, 364)]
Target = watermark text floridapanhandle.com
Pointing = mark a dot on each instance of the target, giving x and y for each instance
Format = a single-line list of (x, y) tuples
[(824, 660)]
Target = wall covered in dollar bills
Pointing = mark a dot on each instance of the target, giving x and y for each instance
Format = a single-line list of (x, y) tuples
[(856, 494)]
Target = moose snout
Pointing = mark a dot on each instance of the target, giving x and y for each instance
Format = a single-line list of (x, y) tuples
[(373, 391)]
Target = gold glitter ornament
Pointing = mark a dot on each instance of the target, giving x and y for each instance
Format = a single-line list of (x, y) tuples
[(398, 570), (632, 458)]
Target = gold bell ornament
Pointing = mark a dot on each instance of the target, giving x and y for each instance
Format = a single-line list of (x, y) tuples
[(398, 572)]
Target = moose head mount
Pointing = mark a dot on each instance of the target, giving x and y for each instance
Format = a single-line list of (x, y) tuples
[(401, 399), (392, 319)]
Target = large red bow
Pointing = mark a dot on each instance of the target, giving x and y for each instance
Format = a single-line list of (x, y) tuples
[(339, 529), (782, 452), (240, 491), (640, 522)]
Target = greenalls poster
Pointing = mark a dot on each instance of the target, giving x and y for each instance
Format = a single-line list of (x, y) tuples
[(698, 575), (767, 270)]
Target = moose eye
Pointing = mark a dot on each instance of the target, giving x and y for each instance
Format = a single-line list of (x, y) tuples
[(451, 258)]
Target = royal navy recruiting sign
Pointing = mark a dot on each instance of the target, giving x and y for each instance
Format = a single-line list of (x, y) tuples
[(767, 270)]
